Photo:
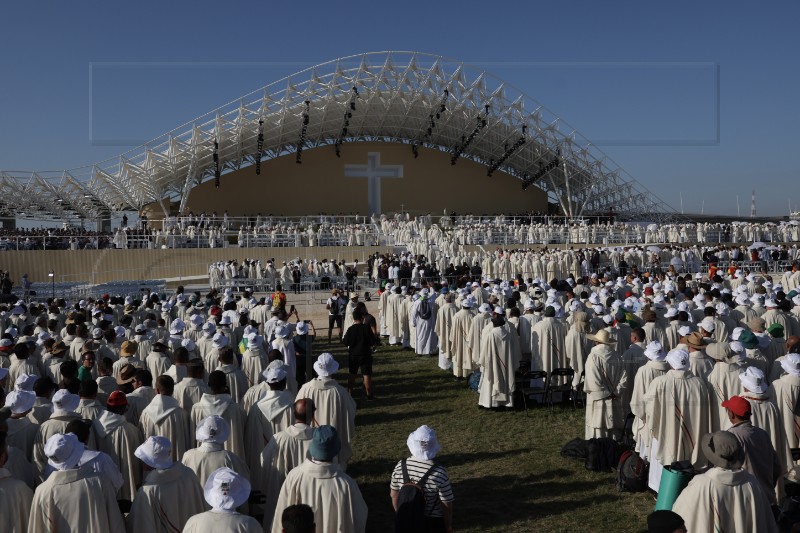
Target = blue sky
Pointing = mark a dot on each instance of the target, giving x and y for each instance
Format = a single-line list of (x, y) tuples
[(686, 96)]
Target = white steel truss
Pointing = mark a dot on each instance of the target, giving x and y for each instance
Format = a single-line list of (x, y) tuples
[(404, 97)]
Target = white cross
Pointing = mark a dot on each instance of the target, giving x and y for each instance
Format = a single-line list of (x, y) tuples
[(373, 171)]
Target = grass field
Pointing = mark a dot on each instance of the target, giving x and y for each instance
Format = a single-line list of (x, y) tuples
[(506, 468)]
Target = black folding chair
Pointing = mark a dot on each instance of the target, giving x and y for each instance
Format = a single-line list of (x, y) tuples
[(528, 386), (560, 382)]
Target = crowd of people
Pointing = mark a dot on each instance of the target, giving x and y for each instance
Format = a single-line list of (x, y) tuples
[(201, 231), (706, 366), (188, 414)]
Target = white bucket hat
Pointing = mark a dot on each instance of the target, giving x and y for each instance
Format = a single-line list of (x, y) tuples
[(226, 490), (20, 401), (155, 452), (423, 443), (678, 359), (63, 451), (213, 429), (753, 380), (326, 365), (65, 402)]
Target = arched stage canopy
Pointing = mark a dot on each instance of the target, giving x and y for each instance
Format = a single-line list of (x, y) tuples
[(406, 97)]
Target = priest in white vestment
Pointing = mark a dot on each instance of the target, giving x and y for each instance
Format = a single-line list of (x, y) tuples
[(170, 494), (271, 414), (459, 353), (72, 498), (499, 361), (726, 497), (211, 454), (15, 496), (322, 484), (119, 438), (165, 417), (334, 405), (220, 403), (606, 383), (655, 366), (678, 415), (423, 315)]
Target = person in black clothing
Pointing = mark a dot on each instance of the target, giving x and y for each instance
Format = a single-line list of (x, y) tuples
[(360, 342)]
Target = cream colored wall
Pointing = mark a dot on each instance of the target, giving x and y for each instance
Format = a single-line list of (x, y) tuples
[(100, 266), (430, 184)]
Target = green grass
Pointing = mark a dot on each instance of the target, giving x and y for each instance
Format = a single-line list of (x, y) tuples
[(505, 467)]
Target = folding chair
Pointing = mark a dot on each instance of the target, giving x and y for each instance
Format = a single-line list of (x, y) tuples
[(560, 382), (528, 386), (580, 395)]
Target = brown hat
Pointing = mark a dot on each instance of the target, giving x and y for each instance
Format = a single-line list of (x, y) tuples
[(128, 348), (757, 324), (695, 340), (126, 374), (58, 348)]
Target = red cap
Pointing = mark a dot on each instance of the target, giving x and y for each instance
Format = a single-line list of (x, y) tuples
[(738, 406), (117, 399)]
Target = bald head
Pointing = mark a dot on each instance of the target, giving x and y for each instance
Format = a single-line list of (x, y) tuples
[(304, 410), (793, 344)]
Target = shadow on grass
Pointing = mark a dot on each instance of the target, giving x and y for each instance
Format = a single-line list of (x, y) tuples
[(378, 417), (514, 500)]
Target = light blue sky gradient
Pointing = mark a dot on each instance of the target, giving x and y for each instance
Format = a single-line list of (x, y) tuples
[(694, 97)]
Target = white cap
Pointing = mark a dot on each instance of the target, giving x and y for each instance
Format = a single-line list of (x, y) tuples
[(301, 328), (654, 351), (671, 312), (707, 325), (753, 380), (225, 490), (683, 331), (791, 364), (678, 359), (155, 452), (282, 331), (275, 374), (209, 327)]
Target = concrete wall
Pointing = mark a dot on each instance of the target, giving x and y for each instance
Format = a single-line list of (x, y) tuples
[(100, 266), (430, 184)]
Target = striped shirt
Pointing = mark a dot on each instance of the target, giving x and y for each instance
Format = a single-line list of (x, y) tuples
[(437, 486)]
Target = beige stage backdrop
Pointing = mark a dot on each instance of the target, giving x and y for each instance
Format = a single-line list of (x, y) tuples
[(429, 184)]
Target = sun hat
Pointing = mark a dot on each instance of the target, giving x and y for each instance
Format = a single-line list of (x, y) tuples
[(325, 443), (63, 451), (20, 401), (602, 337), (423, 444), (654, 351), (678, 359), (213, 428), (723, 449), (65, 402), (226, 490), (155, 452), (326, 365), (275, 374), (753, 380)]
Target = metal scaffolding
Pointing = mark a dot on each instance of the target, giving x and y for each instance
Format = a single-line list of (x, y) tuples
[(402, 97)]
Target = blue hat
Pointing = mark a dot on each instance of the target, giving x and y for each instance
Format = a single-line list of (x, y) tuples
[(325, 443), (444, 290)]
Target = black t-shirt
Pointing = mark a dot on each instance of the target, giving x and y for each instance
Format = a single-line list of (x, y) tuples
[(359, 340)]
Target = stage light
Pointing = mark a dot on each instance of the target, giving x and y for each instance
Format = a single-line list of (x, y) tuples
[(466, 141), (414, 150)]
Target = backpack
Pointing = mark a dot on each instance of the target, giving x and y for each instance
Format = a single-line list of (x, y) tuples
[(601, 454), (575, 449), (474, 381), (334, 306), (410, 517), (424, 310), (632, 472)]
